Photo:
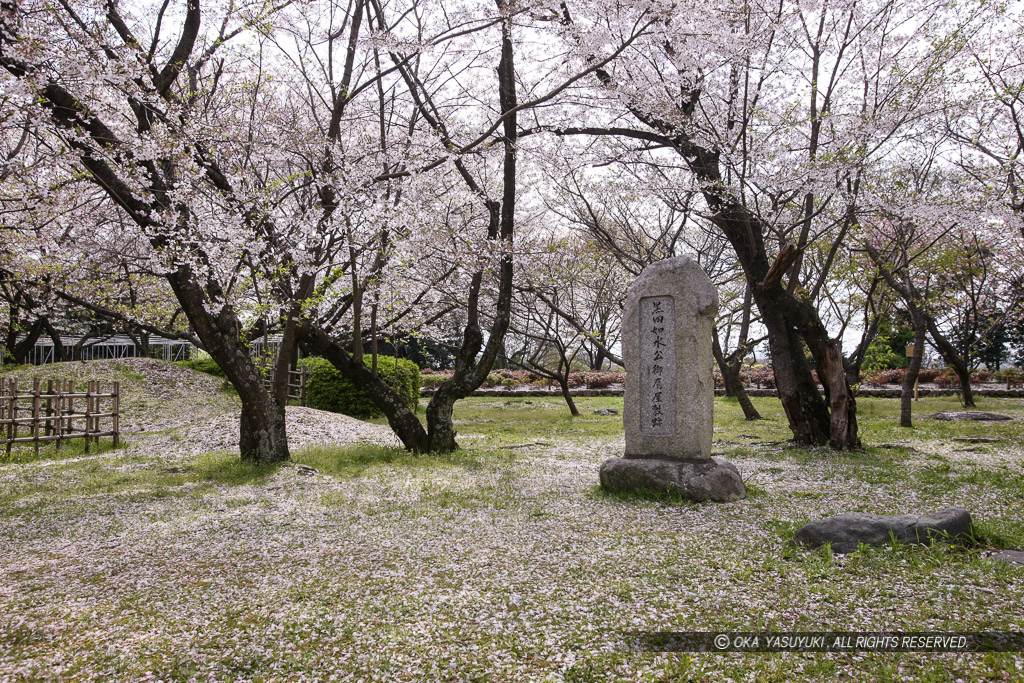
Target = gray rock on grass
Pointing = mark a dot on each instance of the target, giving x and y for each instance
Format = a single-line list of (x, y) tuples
[(845, 532), (969, 415), (714, 480), (1010, 557)]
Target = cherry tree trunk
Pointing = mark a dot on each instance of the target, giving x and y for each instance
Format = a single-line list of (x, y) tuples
[(440, 425), (19, 350), (954, 359), (733, 384), (910, 379), (262, 437), (563, 384), (262, 423), (402, 420), (806, 412), (789, 318)]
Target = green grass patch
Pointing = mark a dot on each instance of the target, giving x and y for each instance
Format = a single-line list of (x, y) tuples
[(515, 421), (354, 461), (503, 560), (48, 450), (669, 498), (227, 469)]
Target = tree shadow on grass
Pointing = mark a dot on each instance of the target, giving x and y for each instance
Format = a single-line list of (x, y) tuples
[(227, 469), (641, 496)]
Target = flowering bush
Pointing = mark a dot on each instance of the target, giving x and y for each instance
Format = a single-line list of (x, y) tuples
[(980, 376), (601, 379), (1013, 377), (759, 376), (496, 380), (878, 378)]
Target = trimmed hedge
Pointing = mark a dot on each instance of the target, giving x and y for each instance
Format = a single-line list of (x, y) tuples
[(327, 389), (208, 365), (943, 377), (519, 379)]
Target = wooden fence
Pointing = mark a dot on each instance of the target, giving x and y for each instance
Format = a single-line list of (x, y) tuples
[(56, 412), (297, 380)]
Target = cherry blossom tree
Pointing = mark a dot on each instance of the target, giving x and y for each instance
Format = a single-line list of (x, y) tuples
[(458, 167), (570, 306), (646, 213), (777, 112), (945, 251), (985, 114), (137, 109)]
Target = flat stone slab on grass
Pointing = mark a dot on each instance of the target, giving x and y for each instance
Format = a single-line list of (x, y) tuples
[(606, 411), (845, 532), (1011, 556), (713, 479), (975, 439), (950, 415)]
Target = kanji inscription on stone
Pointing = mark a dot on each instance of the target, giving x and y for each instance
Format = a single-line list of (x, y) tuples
[(658, 366)]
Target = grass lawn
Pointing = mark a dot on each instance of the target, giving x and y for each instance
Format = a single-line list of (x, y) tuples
[(503, 561)]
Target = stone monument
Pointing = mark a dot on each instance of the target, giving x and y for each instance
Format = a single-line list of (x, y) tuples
[(670, 391)]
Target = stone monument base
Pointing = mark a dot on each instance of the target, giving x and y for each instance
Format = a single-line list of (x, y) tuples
[(712, 479)]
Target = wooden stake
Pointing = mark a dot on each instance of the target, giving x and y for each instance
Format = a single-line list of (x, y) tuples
[(35, 413), (12, 414), (71, 406), (117, 413), (88, 414), (60, 412), (48, 429)]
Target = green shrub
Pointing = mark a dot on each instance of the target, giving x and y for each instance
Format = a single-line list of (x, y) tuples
[(209, 366), (327, 389), (434, 379), (495, 380), (1012, 376), (880, 356)]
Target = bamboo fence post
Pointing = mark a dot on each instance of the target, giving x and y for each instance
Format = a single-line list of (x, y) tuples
[(48, 427), (96, 400), (71, 407), (12, 414), (35, 413), (3, 404), (117, 413), (60, 411), (97, 409), (88, 414)]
